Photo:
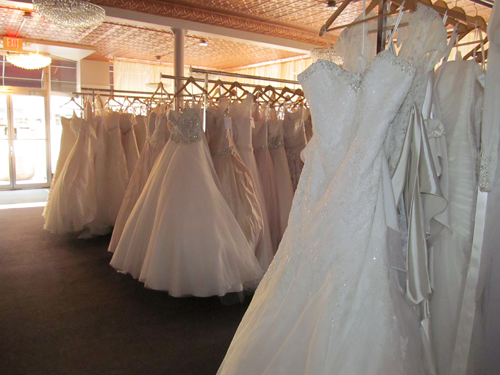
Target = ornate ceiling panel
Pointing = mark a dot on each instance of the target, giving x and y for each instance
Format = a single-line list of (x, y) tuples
[(298, 20), (112, 40)]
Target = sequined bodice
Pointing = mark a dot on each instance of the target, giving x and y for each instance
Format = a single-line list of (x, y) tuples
[(341, 102), (186, 126), (275, 130)]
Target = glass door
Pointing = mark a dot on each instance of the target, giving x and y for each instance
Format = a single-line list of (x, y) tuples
[(24, 161), (5, 146)]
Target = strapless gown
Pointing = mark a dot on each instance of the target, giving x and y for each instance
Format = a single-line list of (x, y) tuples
[(181, 236), (330, 303)]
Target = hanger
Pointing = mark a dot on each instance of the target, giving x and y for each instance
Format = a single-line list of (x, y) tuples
[(333, 17), (74, 101)]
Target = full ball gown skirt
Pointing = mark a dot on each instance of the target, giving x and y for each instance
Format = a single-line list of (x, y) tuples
[(240, 114), (72, 201), (181, 236), (267, 175), (329, 303), (153, 147), (236, 182)]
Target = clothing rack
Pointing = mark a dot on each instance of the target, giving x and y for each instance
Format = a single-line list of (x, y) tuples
[(166, 76), (245, 76), (146, 98), (277, 93), (455, 16)]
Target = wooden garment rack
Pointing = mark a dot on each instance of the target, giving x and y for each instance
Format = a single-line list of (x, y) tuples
[(455, 15), (274, 95)]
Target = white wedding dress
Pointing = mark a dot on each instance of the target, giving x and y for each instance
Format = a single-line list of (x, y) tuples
[(153, 147), (330, 303), (181, 236)]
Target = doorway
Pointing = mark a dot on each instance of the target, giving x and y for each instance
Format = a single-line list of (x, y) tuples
[(24, 153)]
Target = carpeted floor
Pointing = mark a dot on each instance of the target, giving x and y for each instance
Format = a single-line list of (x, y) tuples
[(64, 310)]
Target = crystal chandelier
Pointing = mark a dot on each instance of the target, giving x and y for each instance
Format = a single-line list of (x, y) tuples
[(29, 60), (70, 13)]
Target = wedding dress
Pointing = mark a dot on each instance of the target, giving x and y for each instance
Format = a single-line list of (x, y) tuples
[(72, 201), (458, 106), (140, 132), (117, 176), (68, 140), (153, 147), (240, 114), (129, 141), (181, 236), (101, 224), (266, 172), (294, 137), (236, 182), (283, 180), (329, 303)]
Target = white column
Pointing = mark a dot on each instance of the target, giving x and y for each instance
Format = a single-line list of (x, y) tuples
[(179, 35)]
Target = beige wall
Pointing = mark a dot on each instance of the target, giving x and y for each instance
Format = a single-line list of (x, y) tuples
[(94, 74)]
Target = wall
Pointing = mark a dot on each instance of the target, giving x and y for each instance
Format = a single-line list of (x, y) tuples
[(93, 74)]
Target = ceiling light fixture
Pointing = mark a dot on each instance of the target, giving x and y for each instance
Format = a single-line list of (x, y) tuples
[(29, 60), (70, 13), (203, 43)]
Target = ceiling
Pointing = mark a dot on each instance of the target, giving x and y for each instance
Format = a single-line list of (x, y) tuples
[(238, 32)]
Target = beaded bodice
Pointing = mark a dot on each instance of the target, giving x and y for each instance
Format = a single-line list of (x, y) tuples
[(186, 126), (342, 101), (275, 130)]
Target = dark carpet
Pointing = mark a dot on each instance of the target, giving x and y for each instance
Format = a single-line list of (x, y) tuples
[(64, 310)]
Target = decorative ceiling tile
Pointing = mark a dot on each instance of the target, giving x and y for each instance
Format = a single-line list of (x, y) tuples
[(298, 20)]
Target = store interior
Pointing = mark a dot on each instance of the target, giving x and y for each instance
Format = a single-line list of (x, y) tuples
[(87, 156)]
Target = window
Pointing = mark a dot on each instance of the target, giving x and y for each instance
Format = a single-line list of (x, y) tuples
[(13, 76), (63, 76)]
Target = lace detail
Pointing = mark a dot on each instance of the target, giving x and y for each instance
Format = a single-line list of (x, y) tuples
[(434, 128), (424, 46), (352, 79), (349, 44), (186, 128), (355, 79), (426, 40)]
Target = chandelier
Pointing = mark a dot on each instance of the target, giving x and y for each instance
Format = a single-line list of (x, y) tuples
[(70, 13), (29, 60)]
